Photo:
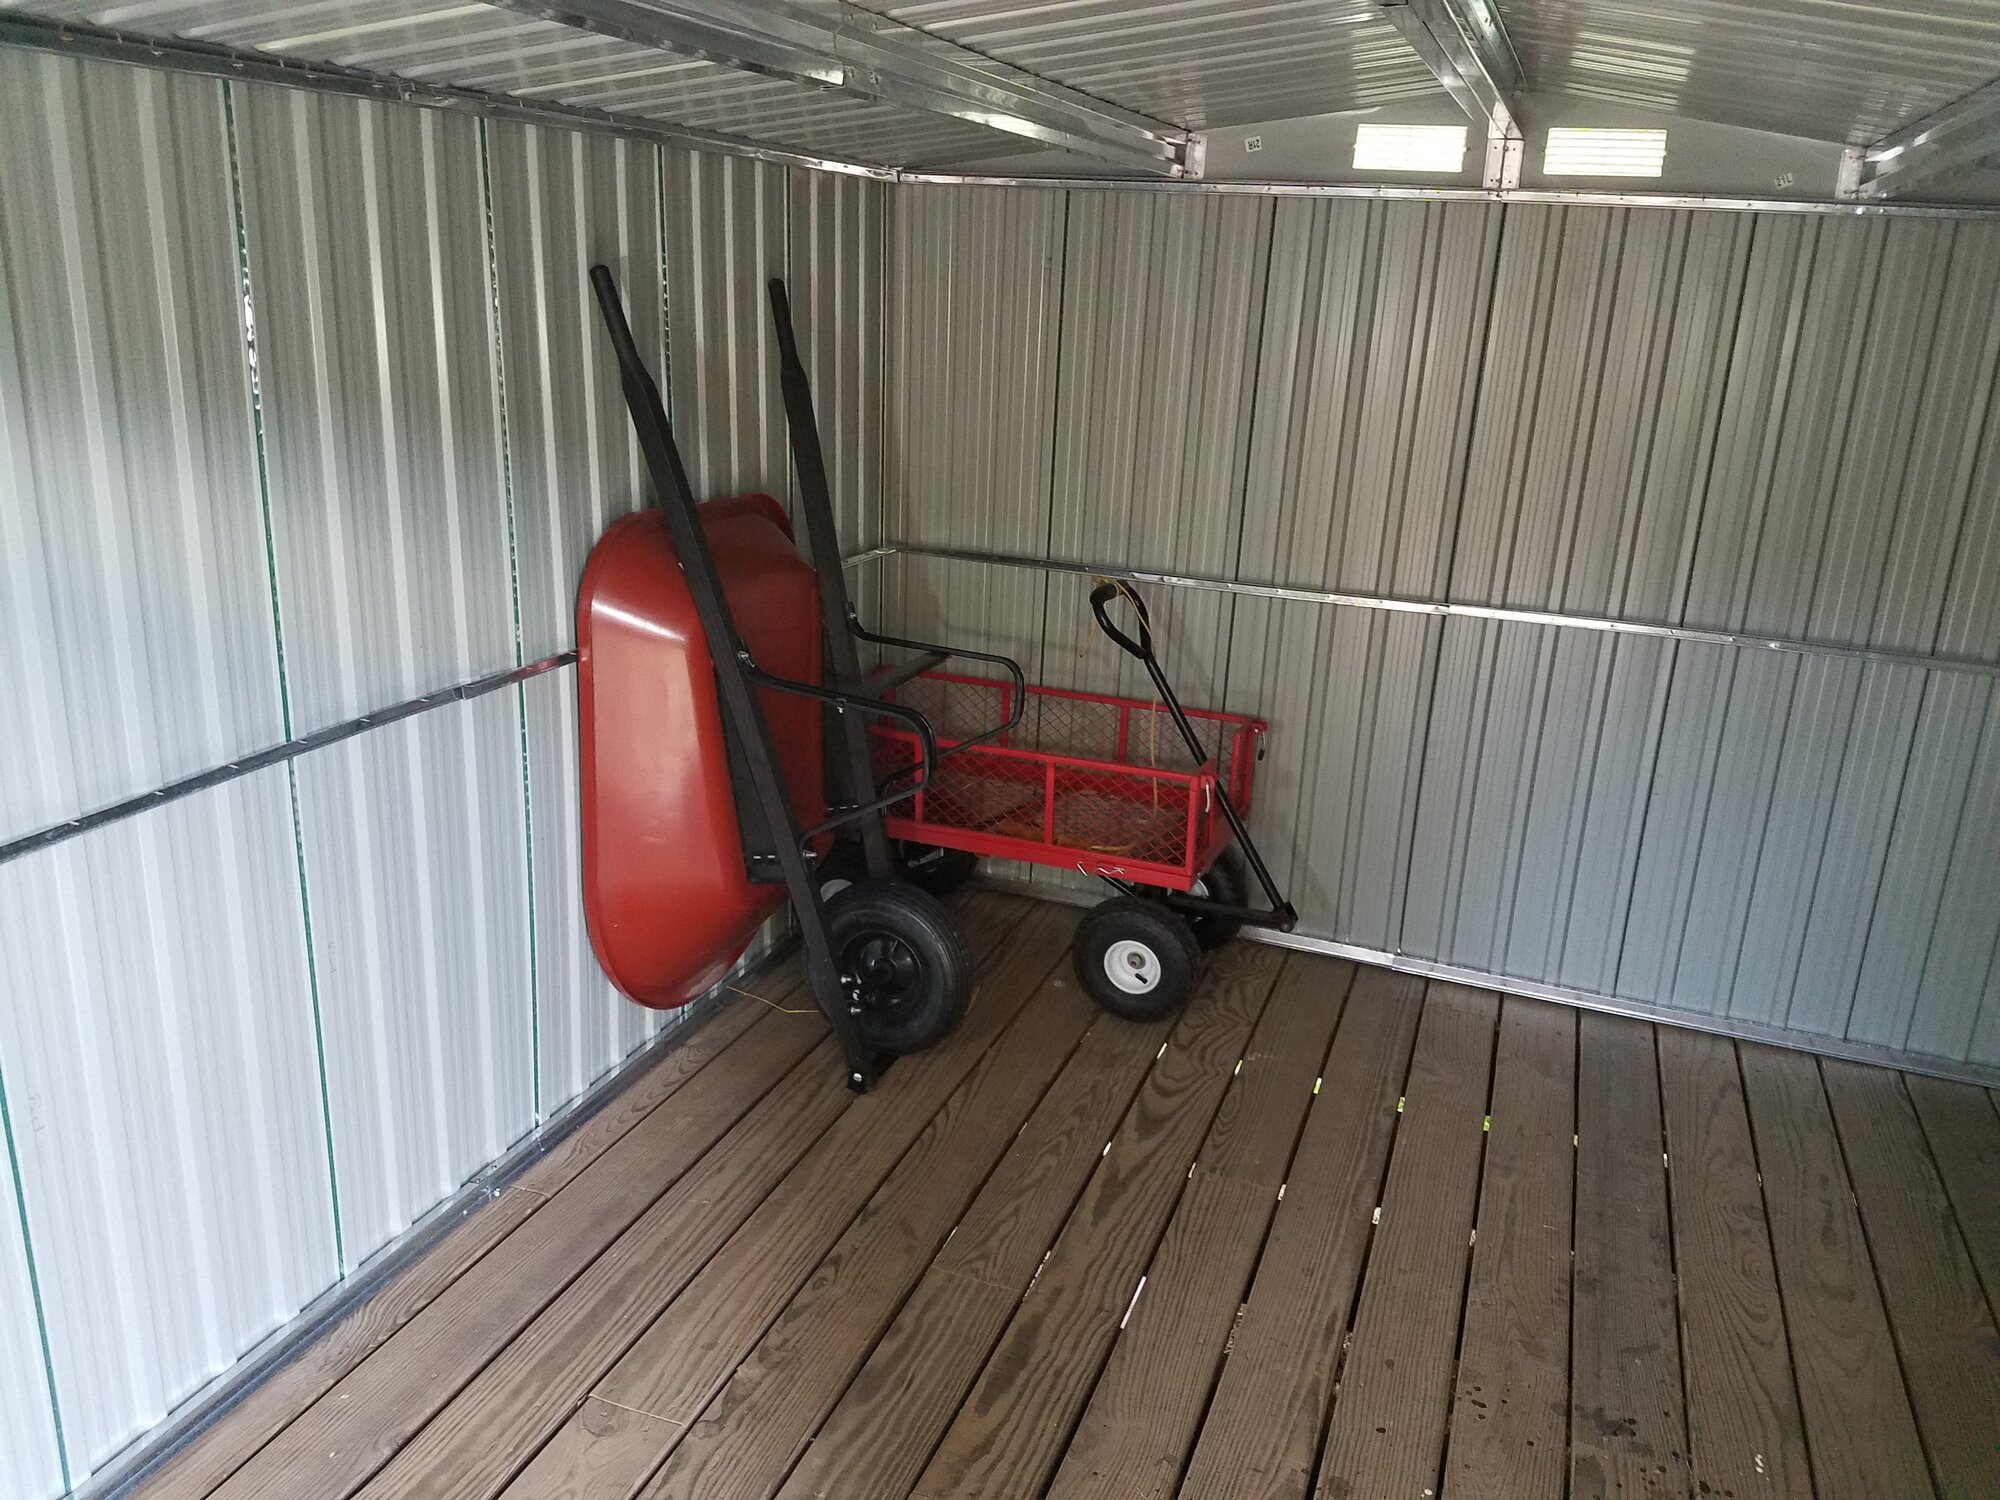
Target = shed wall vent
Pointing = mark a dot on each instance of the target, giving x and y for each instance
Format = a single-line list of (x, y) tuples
[(1409, 148), (1590, 151)]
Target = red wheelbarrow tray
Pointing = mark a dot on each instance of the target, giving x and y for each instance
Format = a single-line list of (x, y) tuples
[(666, 898), (1077, 785)]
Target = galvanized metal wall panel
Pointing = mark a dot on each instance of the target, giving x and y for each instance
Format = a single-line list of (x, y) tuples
[(30, 1465), (366, 228), (416, 870), (561, 202), (1348, 695), (727, 234), (837, 279), (584, 1028), (164, 1093), (1372, 336), (970, 419), (1162, 309), (1739, 422), (132, 581)]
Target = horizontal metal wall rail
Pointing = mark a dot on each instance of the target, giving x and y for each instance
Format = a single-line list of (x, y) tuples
[(1395, 193), (278, 754), (1602, 623)]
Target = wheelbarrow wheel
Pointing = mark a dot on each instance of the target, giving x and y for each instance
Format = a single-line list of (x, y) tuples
[(1138, 958), (905, 960)]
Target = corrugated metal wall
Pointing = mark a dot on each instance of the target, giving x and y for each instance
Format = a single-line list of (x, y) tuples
[(1772, 424), (252, 1036)]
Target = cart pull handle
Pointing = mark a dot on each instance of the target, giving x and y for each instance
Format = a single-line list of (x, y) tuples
[(1102, 595)]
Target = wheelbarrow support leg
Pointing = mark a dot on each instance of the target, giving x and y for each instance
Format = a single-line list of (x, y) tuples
[(751, 735)]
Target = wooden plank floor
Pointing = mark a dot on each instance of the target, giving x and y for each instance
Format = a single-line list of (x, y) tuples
[(1331, 1233)]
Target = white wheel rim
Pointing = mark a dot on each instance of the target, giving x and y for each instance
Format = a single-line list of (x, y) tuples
[(1132, 967), (828, 889)]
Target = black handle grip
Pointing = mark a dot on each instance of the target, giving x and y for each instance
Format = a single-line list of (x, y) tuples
[(1102, 595)]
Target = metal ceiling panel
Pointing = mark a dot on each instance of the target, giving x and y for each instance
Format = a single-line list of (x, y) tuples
[(366, 228), (415, 867), (133, 589), (163, 1089), (1193, 63), (1838, 70), (486, 47)]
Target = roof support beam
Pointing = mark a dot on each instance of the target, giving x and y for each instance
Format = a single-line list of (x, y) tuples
[(834, 45), (1963, 133), (1464, 45)]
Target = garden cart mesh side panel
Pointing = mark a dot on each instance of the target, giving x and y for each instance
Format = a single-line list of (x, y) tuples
[(1085, 781)]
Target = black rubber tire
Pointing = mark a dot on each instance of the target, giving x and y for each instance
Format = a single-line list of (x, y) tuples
[(942, 872), (1148, 943), (910, 959), (1227, 881)]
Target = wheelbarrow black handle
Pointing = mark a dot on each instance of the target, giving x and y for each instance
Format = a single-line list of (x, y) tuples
[(1102, 595)]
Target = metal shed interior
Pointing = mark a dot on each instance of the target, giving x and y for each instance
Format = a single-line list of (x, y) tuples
[(1617, 558)]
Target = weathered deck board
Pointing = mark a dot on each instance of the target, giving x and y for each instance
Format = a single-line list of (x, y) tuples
[(880, 1433), (1962, 1130), (1745, 1434), (1141, 1421), (1009, 1434), (1511, 1412), (738, 1281), (1393, 1399), (1628, 1416), (1261, 1437), (1859, 1429), (789, 1190), (748, 1435), (1944, 1329)]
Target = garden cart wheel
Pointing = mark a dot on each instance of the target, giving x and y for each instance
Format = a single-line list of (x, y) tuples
[(1227, 882), (1137, 957), (904, 962)]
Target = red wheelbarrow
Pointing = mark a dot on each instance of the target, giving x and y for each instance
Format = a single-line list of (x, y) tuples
[(710, 658)]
